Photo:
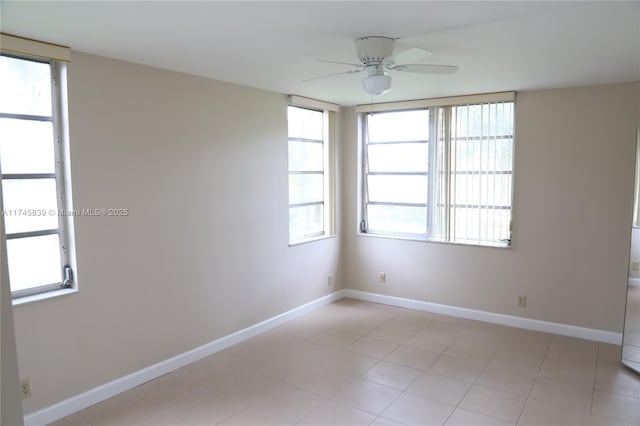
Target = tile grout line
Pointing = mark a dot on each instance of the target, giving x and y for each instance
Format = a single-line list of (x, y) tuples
[(436, 360), (376, 415), (472, 384), (593, 387), (401, 392), (457, 405), (546, 352), (284, 382)]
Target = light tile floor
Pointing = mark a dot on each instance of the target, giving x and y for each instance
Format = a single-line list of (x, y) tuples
[(360, 363)]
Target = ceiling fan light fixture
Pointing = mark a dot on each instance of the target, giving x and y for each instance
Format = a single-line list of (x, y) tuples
[(376, 84), (375, 55)]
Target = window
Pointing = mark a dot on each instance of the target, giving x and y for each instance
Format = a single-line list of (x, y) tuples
[(398, 172), (439, 172), (34, 179), (310, 172)]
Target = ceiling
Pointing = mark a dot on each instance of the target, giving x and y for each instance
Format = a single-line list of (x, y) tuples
[(274, 45)]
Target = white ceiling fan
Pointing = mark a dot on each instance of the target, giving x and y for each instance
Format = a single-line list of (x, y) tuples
[(376, 58)]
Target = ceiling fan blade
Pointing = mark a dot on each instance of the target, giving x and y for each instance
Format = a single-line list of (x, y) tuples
[(333, 75), (338, 62), (425, 68), (413, 54)]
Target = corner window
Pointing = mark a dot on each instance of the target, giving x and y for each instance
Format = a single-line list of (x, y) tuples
[(310, 173), (439, 173), (33, 166)]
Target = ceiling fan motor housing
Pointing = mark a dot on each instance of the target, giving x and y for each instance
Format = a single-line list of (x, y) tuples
[(374, 48)]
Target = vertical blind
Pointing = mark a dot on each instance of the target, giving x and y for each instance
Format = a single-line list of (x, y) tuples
[(481, 168)]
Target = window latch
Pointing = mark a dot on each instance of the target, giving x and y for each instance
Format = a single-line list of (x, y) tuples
[(363, 227), (506, 240), (67, 282)]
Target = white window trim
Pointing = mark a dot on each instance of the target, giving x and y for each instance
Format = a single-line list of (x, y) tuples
[(64, 173), (57, 56), (23, 300), (438, 102), (329, 111), (21, 46), (362, 111)]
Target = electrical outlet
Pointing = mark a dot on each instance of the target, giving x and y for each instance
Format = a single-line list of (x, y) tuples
[(330, 280), (635, 266), (25, 388), (382, 277), (522, 301)]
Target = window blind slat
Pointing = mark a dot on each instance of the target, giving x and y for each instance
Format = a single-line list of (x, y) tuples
[(477, 169)]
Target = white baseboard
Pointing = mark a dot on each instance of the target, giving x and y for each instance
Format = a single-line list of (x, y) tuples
[(107, 390), (509, 320), (634, 282)]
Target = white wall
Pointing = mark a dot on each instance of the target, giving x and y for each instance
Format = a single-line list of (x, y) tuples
[(202, 166), (574, 169)]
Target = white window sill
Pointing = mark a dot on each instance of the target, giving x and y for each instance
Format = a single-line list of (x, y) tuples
[(499, 245), (311, 240), (43, 296)]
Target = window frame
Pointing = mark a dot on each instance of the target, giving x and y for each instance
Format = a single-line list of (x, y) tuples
[(62, 176), (328, 168), (436, 107), (366, 173)]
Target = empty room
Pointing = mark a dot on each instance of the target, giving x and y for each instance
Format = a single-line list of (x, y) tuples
[(320, 213)]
